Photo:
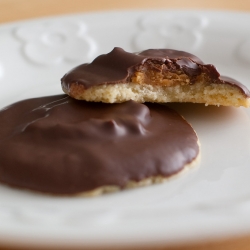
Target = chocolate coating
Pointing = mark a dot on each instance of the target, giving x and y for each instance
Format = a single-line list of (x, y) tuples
[(64, 146), (118, 66)]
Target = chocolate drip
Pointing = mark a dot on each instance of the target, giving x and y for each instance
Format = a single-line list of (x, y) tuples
[(63, 146), (118, 66)]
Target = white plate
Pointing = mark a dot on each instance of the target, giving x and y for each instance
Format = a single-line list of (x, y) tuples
[(209, 202)]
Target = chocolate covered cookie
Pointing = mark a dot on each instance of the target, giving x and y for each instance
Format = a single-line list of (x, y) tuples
[(60, 145), (154, 75)]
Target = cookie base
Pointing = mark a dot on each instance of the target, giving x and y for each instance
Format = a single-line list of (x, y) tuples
[(209, 94)]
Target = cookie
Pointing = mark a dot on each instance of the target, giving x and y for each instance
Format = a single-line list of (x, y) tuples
[(154, 75), (63, 146)]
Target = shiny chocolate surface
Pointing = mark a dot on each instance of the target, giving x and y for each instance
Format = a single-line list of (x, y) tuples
[(60, 145)]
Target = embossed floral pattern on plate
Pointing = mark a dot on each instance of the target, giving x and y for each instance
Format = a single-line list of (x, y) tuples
[(181, 32), (50, 43)]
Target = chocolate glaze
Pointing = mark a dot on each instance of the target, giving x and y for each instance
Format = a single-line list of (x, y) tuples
[(63, 146), (118, 66)]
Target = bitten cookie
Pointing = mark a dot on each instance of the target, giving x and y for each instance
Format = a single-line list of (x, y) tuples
[(60, 145), (154, 75)]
